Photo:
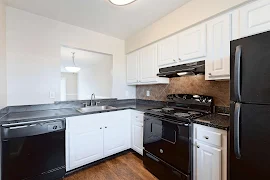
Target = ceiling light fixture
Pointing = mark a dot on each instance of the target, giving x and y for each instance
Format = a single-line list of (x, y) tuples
[(121, 2), (73, 69)]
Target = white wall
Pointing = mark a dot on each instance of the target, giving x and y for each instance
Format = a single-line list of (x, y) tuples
[(185, 16), (3, 77), (71, 85), (96, 79), (33, 56)]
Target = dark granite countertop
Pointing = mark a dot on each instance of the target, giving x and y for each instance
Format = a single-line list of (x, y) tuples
[(16, 117), (220, 121)]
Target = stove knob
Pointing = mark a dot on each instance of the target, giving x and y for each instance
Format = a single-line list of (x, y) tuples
[(161, 151)]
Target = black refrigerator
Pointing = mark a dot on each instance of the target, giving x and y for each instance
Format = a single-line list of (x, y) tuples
[(249, 134)]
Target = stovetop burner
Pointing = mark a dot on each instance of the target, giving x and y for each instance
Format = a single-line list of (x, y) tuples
[(176, 113)]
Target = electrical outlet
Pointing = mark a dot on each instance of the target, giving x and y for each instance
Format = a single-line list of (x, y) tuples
[(52, 94), (147, 93)]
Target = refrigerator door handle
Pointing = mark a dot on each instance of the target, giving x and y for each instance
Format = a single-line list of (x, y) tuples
[(237, 73), (237, 130)]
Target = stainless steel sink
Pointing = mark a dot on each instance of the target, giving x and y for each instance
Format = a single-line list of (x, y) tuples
[(95, 108)]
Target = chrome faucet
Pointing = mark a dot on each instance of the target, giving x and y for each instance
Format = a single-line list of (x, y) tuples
[(93, 97)]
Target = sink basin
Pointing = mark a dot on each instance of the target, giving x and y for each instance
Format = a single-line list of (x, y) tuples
[(95, 108)]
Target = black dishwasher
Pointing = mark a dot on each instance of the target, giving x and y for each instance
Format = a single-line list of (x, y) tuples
[(33, 150)]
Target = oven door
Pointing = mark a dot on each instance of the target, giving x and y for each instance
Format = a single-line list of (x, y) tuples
[(168, 141)]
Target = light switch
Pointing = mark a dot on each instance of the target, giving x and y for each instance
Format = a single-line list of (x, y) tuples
[(52, 94), (147, 93)]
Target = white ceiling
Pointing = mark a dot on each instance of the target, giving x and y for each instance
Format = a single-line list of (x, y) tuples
[(83, 59), (100, 15)]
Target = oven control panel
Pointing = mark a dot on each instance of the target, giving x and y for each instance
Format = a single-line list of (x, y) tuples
[(55, 126)]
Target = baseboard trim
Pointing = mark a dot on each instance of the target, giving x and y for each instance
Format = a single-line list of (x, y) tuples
[(101, 161)]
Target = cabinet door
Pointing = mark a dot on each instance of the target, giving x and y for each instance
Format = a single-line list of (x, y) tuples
[(132, 67), (255, 18), (207, 162), (148, 64), (137, 137), (192, 43), (167, 51), (218, 51), (84, 140), (117, 131)]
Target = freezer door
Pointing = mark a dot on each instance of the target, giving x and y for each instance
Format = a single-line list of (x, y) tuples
[(249, 142), (250, 69)]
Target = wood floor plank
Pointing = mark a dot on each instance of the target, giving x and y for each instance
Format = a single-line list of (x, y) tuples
[(125, 167)]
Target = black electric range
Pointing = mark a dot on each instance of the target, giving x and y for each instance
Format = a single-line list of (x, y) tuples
[(168, 135)]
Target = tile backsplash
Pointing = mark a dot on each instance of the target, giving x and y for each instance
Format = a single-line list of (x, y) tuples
[(220, 90)]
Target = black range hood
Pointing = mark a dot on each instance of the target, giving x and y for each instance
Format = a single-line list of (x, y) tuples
[(183, 70)]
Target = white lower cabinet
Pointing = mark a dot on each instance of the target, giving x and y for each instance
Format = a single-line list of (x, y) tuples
[(137, 131), (117, 132), (93, 137), (137, 137), (208, 162), (210, 153)]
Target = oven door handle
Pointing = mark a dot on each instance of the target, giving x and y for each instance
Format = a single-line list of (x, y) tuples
[(169, 140)]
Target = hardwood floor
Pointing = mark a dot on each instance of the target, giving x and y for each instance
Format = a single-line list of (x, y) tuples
[(125, 167)]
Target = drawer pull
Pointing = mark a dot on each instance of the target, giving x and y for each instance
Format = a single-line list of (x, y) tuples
[(206, 137), (198, 146), (161, 151), (152, 157)]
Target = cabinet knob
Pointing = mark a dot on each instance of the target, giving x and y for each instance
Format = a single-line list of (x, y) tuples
[(210, 74), (100, 128), (105, 127), (174, 60), (198, 146), (206, 137), (180, 59)]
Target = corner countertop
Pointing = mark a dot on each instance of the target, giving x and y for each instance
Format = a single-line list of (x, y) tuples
[(17, 117), (220, 121)]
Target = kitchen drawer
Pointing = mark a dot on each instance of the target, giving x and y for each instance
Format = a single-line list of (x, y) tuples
[(209, 136), (137, 116), (160, 169)]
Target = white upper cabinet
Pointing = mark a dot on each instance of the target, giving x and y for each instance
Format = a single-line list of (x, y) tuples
[(167, 51), (148, 64), (255, 18), (142, 67), (218, 50), (192, 43), (132, 67)]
